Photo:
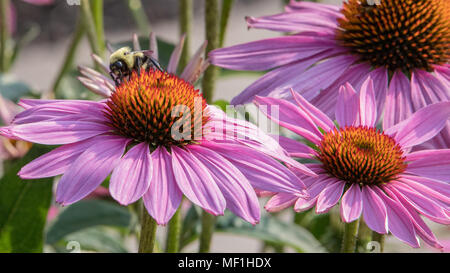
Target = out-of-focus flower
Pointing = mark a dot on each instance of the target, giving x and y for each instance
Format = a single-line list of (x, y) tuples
[(404, 46), (136, 135), (382, 180), (10, 148), (12, 17)]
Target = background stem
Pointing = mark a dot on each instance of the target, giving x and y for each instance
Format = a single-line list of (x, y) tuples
[(88, 19), (148, 232), (208, 223), (185, 10), (350, 237), (377, 237), (141, 19), (225, 14), (97, 14), (174, 233), (212, 29), (4, 34)]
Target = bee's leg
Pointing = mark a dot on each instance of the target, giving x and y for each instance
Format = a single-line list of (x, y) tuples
[(138, 64), (155, 63), (114, 78)]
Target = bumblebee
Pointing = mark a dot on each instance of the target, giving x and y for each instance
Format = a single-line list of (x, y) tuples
[(124, 61)]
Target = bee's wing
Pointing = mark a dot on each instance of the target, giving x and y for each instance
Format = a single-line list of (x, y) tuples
[(148, 53)]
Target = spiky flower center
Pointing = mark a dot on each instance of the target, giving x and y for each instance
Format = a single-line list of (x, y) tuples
[(397, 34), (158, 108), (361, 155)]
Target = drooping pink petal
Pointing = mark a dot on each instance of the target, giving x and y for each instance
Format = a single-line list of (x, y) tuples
[(367, 104), (58, 132), (57, 161), (269, 53), (374, 211), (427, 89), (39, 2), (420, 184), (317, 116), (398, 100), (419, 225), (422, 125), (289, 116), (277, 82), (240, 197), (351, 204), (90, 169), (421, 203), (298, 6), (295, 148), (195, 66), (262, 171), (280, 201), (430, 163), (163, 196), (347, 106), (380, 87), (131, 178), (314, 190), (436, 185), (196, 182), (329, 196), (399, 221)]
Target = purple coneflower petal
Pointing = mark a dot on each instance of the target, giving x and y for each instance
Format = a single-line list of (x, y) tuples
[(131, 178), (295, 148), (351, 204), (314, 191), (240, 196), (421, 203), (347, 106), (262, 171), (196, 183), (374, 211), (422, 125), (90, 169), (430, 163), (296, 6), (380, 81), (280, 201), (268, 53), (367, 104), (163, 196), (318, 117), (175, 57), (290, 117), (329, 196), (398, 100), (56, 162), (399, 221), (425, 190)]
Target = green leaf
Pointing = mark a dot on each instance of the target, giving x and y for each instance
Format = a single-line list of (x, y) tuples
[(12, 88), (23, 207), (222, 104), (272, 230), (85, 214)]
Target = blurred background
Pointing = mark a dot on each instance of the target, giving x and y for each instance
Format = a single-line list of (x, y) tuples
[(52, 28)]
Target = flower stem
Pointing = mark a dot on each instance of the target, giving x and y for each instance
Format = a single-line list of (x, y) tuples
[(4, 34), (350, 237), (97, 14), (212, 31), (70, 55), (208, 223), (174, 233), (138, 13), (148, 232), (185, 25), (88, 19), (225, 14), (377, 237)]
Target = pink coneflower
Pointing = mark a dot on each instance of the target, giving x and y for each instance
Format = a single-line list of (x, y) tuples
[(371, 171), (403, 45), (131, 136)]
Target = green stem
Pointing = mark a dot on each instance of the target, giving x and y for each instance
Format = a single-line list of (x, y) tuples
[(97, 14), (208, 223), (148, 233), (350, 237), (70, 54), (141, 19), (174, 233), (226, 9), (185, 25), (4, 34), (212, 29), (88, 19), (377, 237)]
